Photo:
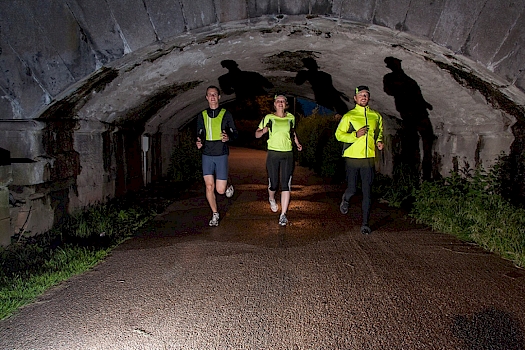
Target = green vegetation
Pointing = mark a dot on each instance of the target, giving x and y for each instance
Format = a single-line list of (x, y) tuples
[(470, 206), (186, 163), (31, 265), (321, 151), (397, 190), (17, 290)]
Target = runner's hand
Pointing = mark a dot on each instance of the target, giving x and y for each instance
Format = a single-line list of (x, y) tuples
[(362, 131)]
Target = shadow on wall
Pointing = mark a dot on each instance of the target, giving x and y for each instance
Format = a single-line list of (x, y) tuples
[(252, 101), (325, 93), (246, 86), (416, 125), (489, 329)]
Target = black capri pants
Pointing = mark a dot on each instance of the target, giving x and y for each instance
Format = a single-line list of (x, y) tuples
[(283, 162)]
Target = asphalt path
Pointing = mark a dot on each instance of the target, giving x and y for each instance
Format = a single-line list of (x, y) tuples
[(250, 284)]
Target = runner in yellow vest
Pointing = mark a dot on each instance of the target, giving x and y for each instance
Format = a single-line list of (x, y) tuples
[(215, 127)]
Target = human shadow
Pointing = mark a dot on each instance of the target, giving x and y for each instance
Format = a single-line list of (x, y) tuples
[(413, 110), (250, 89), (325, 93), (489, 329), (244, 84)]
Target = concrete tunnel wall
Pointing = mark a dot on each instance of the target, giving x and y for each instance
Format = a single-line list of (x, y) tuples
[(83, 81)]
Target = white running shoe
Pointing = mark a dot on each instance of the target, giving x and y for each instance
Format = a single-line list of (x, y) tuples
[(214, 220), (229, 191), (283, 221), (273, 205)]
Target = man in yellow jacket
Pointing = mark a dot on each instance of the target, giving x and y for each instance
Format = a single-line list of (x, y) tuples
[(361, 131)]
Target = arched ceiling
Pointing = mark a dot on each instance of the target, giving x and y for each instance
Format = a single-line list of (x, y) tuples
[(162, 86)]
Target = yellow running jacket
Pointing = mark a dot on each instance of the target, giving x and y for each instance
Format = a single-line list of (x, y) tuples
[(353, 120)]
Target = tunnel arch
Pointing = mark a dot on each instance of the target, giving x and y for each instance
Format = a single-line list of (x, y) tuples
[(150, 81)]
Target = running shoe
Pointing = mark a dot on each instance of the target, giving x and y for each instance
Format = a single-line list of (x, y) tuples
[(229, 191), (365, 230), (214, 220), (283, 221), (273, 205), (343, 206)]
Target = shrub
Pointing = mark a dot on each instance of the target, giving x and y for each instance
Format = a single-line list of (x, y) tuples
[(468, 204), (321, 151), (398, 190), (186, 161)]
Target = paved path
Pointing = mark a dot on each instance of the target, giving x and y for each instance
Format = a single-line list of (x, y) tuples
[(250, 284)]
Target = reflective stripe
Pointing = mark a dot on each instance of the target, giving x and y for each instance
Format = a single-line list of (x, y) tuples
[(366, 135), (213, 126)]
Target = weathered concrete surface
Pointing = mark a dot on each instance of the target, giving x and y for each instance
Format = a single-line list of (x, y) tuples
[(58, 43), (250, 284)]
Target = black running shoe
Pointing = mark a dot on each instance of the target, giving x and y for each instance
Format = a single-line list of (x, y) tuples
[(365, 230)]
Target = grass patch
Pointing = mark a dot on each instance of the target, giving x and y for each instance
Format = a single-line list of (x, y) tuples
[(33, 264), (19, 290), (397, 190)]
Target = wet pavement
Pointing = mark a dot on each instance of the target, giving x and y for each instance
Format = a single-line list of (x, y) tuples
[(250, 284)]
